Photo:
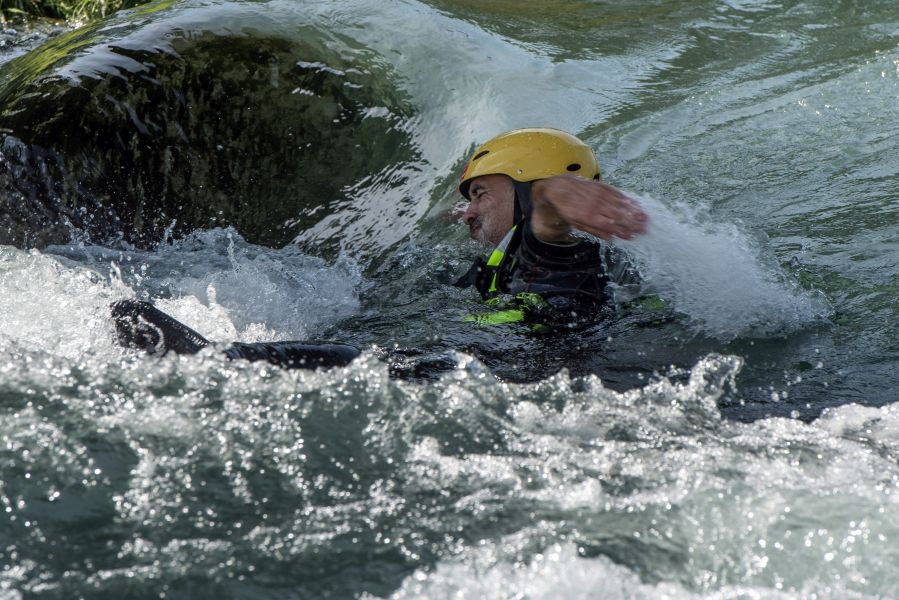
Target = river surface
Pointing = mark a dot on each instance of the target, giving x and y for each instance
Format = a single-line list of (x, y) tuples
[(744, 446)]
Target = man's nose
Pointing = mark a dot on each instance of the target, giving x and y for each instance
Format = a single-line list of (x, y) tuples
[(469, 215)]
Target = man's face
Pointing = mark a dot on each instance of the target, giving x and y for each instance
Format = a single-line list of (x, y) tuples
[(491, 208)]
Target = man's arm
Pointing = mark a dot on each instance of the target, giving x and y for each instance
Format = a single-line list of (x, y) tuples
[(565, 201)]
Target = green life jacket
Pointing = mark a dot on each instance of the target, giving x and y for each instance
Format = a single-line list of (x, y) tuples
[(491, 279)]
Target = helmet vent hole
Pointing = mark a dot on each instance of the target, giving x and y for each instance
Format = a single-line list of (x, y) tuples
[(573, 167), (481, 154)]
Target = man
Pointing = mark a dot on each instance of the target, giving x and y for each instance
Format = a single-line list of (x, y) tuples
[(528, 189)]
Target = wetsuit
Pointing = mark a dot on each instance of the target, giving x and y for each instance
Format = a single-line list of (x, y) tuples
[(542, 283)]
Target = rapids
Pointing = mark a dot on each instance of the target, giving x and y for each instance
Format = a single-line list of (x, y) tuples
[(741, 443)]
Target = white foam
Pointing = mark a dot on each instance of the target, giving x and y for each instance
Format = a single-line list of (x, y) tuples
[(556, 572), (686, 505)]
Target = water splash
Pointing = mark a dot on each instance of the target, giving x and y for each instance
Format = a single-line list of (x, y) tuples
[(52, 306), (716, 275), (655, 500), (225, 288)]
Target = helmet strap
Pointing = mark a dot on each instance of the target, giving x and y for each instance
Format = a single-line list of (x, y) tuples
[(522, 200)]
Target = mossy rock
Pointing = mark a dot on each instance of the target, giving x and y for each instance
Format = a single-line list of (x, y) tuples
[(131, 129)]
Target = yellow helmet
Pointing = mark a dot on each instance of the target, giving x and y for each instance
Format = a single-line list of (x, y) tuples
[(530, 154)]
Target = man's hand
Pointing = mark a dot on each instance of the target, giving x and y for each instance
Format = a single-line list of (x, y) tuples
[(565, 201)]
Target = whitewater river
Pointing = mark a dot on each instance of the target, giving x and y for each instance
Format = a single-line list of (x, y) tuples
[(742, 443)]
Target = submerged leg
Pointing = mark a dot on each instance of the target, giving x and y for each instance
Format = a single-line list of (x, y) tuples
[(295, 355), (141, 325)]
